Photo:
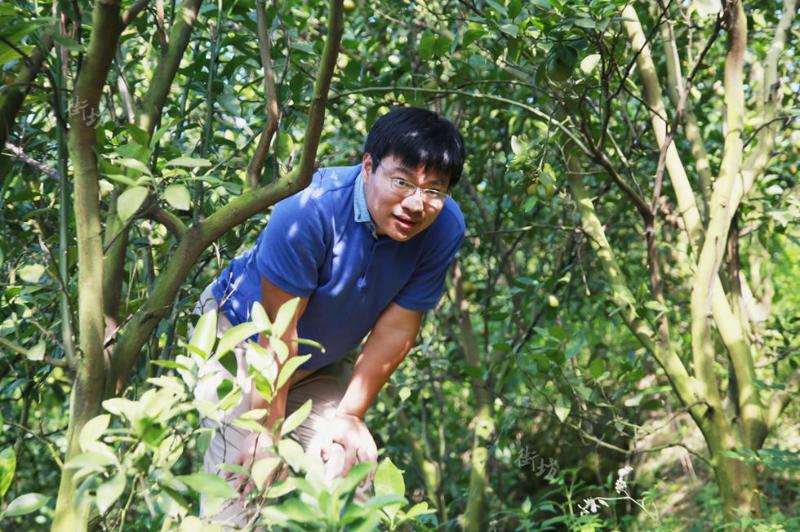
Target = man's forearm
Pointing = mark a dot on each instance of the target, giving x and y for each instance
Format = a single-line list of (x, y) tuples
[(272, 298), (390, 341)]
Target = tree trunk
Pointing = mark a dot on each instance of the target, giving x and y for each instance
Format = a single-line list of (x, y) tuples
[(71, 510)]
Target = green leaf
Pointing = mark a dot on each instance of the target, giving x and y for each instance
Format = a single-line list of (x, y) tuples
[(189, 162), (178, 196), (280, 348), (472, 35), (25, 504), (426, 45), (405, 393), (262, 361), (381, 501), (205, 333), (234, 336), (119, 406), (230, 400), (284, 317), (208, 484), (249, 425), (94, 460), (134, 164), (262, 469), (707, 8), (389, 481), (68, 43), (517, 146), (597, 368), (354, 477), (256, 413), (108, 492), (289, 368), (130, 201), (31, 273), (421, 508), (259, 316), (92, 430), (37, 352), (562, 411), (296, 418), (8, 465), (589, 63), (122, 179), (441, 46), (224, 388), (292, 510), (292, 452)]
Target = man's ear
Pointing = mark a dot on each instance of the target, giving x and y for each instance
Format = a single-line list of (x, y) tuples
[(366, 165)]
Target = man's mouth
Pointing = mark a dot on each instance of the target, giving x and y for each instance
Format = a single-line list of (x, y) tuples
[(405, 223)]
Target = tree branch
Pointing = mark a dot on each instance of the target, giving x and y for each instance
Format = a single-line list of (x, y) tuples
[(623, 299), (91, 371), (133, 11), (768, 104), (20, 154), (18, 89), (164, 75), (652, 95), (721, 211), (198, 237), (169, 220), (271, 106)]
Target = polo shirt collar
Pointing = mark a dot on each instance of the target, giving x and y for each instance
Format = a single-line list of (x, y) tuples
[(360, 209)]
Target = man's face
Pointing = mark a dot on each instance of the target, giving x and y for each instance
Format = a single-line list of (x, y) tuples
[(396, 214)]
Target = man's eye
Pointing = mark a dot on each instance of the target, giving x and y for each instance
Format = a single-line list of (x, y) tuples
[(404, 184), (433, 193)]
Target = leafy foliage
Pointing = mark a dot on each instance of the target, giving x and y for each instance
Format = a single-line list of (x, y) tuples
[(528, 331)]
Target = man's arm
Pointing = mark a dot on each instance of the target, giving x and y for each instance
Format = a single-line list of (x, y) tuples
[(272, 298), (391, 339), (253, 445)]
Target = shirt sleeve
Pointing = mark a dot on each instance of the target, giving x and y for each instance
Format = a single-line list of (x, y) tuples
[(291, 248), (423, 290)]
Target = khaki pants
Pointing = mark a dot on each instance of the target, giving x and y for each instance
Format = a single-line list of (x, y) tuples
[(325, 387)]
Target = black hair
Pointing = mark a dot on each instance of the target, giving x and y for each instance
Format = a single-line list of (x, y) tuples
[(418, 137)]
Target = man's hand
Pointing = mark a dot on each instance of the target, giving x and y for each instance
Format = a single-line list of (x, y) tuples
[(255, 446), (353, 435)]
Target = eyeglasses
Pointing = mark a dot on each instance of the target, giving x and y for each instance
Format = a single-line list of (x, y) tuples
[(430, 196)]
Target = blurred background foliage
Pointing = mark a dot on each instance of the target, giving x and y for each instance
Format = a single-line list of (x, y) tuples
[(526, 373)]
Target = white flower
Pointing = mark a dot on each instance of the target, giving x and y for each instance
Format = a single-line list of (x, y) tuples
[(621, 485), (590, 505)]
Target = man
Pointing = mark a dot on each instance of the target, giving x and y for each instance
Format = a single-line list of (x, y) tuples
[(366, 249)]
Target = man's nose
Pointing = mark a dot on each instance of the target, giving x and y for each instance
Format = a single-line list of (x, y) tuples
[(414, 202)]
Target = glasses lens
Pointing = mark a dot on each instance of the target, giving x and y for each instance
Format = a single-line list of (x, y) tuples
[(403, 187)]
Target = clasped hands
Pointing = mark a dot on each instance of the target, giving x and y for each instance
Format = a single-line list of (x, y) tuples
[(347, 430)]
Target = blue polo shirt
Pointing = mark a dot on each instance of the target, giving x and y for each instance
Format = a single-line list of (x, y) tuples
[(321, 244)]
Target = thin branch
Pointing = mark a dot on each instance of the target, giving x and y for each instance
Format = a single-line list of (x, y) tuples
[(667, 446), (534, 111), (47, 443), (271, 106), (20, 154), (133, 11), (13, 98), (529, 227), (169, 220)]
